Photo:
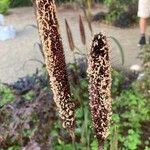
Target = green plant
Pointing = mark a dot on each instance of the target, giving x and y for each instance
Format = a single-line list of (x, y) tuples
[(132, 140), (114, 139), (129, 111), (117, 81), (121, 13), (24, 120), (20, 3), (29, 96), (14, 148), (6, 95), (4, 6), (143, 84)]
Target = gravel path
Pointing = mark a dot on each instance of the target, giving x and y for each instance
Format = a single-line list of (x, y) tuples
[(15, 54)]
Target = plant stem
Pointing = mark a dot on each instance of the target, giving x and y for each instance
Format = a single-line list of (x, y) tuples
[(100, 147), (74, 142)]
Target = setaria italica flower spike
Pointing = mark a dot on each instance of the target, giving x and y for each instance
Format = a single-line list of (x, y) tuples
[(99, 73), (55, 60)]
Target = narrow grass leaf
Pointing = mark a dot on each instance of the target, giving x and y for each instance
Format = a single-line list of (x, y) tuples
[(114, 140), (88, 21), (120, 48)]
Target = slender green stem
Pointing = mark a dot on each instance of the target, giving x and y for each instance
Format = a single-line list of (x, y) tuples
[(78, 49), (74, 58), (100, 147), (74, 142)]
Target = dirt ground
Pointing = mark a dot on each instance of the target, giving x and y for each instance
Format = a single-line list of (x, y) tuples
[(16, 55)]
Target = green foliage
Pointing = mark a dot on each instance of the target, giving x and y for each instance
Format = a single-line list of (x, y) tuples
[(20, 3), (94, 145), (147, 148), (114, 139), (132, 140), (117, 81), (30, 95), (4, 6), (143, 84), (129, 111), (6, 95), (122, 13), (14, 148)]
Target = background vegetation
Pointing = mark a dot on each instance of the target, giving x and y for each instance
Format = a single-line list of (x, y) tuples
[(32, 111), (4, 5), (120, 13)]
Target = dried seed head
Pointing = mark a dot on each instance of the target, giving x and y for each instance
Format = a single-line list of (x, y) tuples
[(70, 37), (82, 31), (99, 73), (55, 60)]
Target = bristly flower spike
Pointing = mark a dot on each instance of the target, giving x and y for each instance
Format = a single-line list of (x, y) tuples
[(99, 74), (55, 61)]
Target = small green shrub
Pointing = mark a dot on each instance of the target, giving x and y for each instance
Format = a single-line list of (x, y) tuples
[(4, 6), (122, 13), (129, 111)]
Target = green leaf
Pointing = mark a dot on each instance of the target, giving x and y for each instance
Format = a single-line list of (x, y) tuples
[(94, 145)]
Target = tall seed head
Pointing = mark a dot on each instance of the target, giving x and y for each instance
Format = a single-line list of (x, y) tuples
[(99, 73), (55, 60)]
